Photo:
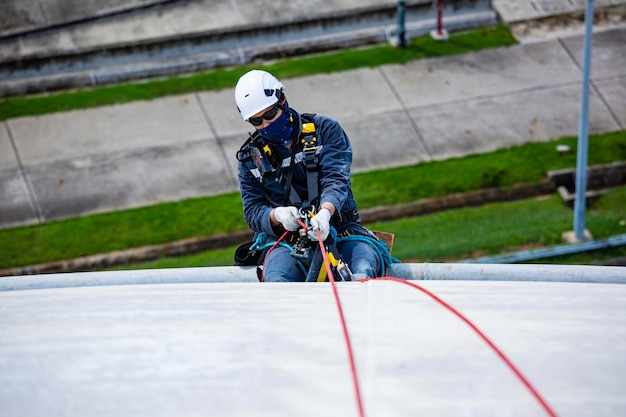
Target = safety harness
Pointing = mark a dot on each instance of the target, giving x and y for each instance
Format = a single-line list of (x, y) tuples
[(270, 170)]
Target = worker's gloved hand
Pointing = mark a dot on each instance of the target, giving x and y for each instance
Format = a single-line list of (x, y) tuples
[(321, 222), (287, 216)]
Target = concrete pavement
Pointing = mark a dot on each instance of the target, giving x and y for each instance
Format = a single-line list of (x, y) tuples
[(116, 157)]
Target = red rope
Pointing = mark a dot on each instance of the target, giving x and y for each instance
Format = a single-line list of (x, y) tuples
[(453, 310), (270, 251), (346, 336), (502, 356)]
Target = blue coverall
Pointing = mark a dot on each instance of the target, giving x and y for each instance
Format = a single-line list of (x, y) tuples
[(335, 158)]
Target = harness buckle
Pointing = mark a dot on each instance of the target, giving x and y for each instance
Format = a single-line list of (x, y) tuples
[(309, 143)]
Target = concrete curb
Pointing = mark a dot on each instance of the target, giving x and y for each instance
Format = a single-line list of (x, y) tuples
[(204, 50), (99, 15), (529, 29), (221, 59)]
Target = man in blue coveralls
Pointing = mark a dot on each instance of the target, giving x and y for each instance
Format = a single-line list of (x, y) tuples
[(293, 159)]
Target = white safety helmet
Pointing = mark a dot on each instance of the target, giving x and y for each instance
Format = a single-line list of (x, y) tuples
[(255, 91)]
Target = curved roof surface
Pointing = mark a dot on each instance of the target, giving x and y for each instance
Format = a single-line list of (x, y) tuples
[(241, 349)]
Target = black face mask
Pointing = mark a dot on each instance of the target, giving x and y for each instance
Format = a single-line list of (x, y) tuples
[(279, 131)]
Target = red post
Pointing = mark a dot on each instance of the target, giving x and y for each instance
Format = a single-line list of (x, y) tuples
[(440, 33), (440, 17)]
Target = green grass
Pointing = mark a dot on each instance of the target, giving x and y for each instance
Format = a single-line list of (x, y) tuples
[(501, 168), (500, 228), (216, 257), (120, 230), (226, 78), (163, 223), (472, 232)]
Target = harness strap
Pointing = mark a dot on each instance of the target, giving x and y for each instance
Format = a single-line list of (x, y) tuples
[(311, 162), (293, 195)]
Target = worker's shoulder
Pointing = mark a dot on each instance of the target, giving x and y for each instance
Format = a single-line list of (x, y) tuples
[(318, 118), (321, 122)]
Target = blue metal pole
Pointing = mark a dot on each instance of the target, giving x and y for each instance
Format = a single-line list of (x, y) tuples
[(583, 129), (401, 27)]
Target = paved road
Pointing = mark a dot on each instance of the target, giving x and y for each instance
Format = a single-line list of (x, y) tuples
[(116, 157)]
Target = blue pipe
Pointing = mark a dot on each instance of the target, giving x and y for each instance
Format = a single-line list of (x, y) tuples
[(533, 254), (401, 24), (583, 129), (235, 274)]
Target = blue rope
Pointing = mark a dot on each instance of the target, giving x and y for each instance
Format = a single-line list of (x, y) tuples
[(260, 242), (381, 247)]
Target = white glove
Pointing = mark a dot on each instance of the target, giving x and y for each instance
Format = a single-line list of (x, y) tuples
[(287, 217), (321, 222)]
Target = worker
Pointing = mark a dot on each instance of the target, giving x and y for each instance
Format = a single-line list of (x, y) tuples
[(291, 165)]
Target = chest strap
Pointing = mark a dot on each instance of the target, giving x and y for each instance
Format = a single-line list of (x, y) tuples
[(308, 139)]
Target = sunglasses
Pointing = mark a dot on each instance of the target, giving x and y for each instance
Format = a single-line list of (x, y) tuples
[(268, 115)]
